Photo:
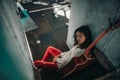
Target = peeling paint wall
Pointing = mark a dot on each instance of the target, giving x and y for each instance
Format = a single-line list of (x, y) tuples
[(15, 59), (96, 13)]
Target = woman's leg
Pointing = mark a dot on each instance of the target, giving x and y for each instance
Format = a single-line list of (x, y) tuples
[(51, 51), (48, 65), (45, 65)]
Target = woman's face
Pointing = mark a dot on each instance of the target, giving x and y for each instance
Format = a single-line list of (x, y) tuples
[(80, 37)]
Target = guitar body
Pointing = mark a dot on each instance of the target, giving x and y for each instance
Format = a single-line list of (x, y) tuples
[(76, 64)]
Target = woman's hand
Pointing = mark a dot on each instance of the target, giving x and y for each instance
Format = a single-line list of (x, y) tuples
[(55, 58)]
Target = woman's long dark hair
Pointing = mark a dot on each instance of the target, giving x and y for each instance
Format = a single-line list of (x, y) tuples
[(84, 29)]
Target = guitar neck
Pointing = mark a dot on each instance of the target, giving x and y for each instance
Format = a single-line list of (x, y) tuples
[(95, 42), (88, 49)]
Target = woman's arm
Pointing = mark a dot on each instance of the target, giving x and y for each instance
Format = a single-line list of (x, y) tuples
[(62, 54), (59, 56)]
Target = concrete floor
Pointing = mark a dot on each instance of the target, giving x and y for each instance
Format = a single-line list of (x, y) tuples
[(51, 31)]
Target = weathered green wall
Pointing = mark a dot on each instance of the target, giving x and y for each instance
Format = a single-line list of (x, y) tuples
[(15, 60)]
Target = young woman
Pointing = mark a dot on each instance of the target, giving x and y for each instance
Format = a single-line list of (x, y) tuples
[(82, 38)]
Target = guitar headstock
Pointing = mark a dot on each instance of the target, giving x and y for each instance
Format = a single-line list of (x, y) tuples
[(113, 25)]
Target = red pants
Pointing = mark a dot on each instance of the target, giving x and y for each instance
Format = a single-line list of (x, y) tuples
[(48, 65)]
